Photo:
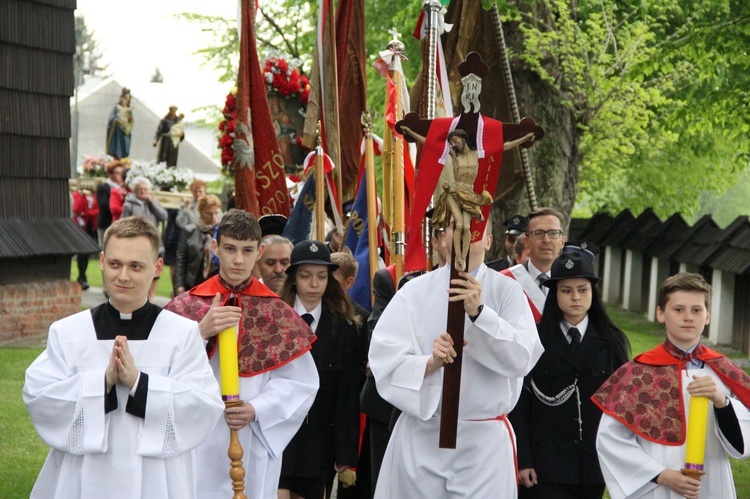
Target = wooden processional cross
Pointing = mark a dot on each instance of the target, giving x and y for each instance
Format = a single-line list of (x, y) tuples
[(523, 134)]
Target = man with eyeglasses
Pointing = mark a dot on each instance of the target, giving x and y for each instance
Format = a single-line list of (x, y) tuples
[(545, 239), (515, 226)]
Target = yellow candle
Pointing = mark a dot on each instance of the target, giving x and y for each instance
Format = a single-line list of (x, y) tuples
[(229, 366), (695, 446), (228, 363)]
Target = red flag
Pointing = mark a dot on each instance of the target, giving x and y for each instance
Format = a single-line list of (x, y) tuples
[(260, 184), (351, 63)]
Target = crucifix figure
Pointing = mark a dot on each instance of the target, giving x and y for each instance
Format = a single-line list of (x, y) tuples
[(459, 168)]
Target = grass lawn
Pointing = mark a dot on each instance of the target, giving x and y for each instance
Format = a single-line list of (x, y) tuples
[(22, 453), (94, 276)]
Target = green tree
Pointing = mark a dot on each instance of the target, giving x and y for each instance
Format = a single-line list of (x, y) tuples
[(644, 99), (88, 56)]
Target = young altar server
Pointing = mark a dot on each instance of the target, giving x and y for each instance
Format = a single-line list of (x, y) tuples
[(555, 416), (278, 377), (408, 351), (642, 434), (123, 393)]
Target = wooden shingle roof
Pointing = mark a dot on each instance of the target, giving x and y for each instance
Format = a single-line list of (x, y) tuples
[(673, 234), (621, 226), (706, 241), (644, 231), (734, 255), (597, 228), (46, 237)]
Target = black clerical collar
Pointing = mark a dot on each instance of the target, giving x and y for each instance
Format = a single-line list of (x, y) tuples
[(134, 314), (239, 288), (108, 322)]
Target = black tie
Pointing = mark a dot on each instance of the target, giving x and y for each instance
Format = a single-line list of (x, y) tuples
[(542, 277), (575, 336), (308, 318)]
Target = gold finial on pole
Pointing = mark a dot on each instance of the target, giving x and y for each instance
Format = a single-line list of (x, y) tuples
[(367, 118), (372, 210)]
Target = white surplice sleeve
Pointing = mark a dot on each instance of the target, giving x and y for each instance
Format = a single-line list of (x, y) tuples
[(284, 402), (398, 363), (627, 468), (504, 338), (67, 405), (184, 403)]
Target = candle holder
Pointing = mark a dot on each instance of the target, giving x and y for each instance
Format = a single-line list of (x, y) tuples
[(235, 453), (693, 472)]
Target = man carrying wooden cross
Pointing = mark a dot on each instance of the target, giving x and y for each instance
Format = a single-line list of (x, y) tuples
[(412, 355)]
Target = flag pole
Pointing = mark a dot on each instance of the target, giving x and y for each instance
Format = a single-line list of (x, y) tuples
[(320, 191), (431, 9), (372, 210), (398, 186)]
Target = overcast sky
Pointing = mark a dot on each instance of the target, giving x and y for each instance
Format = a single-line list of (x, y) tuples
[(137, 36)]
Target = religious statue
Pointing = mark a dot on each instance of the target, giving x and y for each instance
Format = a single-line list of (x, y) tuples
[(120, 126), (458, 199), (169, 134), (457, 151)]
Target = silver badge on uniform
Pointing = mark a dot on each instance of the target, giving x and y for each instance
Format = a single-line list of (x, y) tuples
[(569, 264), (314, 248)]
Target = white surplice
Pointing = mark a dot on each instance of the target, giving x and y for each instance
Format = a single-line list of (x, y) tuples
[(502, 347), (281, 398), (629, 461), (118, 455)]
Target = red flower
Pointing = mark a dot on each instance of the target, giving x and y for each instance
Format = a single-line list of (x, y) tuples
[(226, 140)]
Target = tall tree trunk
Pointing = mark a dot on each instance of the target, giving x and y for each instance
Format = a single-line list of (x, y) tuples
[(554, 160)]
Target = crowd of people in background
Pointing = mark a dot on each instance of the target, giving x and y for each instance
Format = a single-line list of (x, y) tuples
[(330, 389)]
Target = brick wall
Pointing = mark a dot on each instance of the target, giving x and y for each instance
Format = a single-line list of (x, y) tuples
[(27, 310)]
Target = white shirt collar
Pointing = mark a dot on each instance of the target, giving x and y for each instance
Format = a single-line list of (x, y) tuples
[(534, 272), (316, 312), (581, 326)]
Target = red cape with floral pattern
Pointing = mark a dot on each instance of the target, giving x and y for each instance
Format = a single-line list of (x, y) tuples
[(646, 393), (271, 333)]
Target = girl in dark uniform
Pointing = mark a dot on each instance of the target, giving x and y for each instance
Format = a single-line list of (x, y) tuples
[(555, 420), (328, 438)]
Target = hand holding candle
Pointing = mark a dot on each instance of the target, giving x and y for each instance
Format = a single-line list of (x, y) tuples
[(702, 389)]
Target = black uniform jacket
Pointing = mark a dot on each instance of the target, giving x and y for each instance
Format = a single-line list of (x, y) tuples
[(372, 403), (330, 433), (548, 438)]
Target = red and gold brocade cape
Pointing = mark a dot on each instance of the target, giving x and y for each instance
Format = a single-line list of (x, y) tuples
[(271, 333), (646, 393)]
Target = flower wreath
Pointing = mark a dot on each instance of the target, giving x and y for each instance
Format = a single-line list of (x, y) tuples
[(285, 80), (280, 78)]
